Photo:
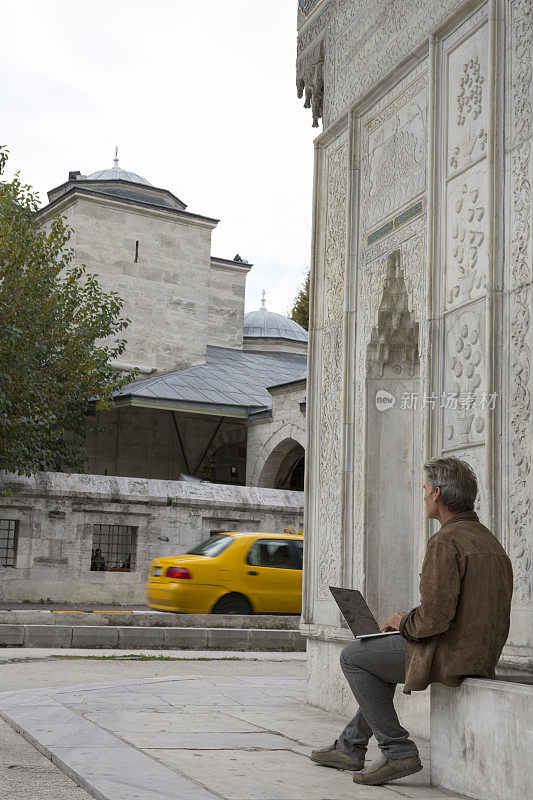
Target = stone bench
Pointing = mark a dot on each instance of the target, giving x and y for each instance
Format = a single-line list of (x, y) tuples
[(482, 737)]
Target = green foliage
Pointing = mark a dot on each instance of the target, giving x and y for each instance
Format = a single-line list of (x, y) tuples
[(58, 333), (300, 309)]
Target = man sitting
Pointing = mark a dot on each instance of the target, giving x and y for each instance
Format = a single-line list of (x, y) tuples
[(459, 629)]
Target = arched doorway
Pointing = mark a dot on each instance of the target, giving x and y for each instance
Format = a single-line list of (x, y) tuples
[(284, 467)]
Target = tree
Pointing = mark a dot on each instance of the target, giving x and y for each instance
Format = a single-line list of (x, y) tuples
[(300, 308), (58, 332)]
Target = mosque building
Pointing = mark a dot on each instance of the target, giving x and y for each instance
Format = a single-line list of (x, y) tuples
[(201, 405), (209, 437)]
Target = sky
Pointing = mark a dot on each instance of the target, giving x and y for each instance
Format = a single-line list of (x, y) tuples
[(199, 96)]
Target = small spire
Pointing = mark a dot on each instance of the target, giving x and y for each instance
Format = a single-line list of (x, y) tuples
[(263, 301), (116, 157)]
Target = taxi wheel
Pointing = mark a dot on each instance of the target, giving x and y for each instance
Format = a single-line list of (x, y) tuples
[(233, 604)]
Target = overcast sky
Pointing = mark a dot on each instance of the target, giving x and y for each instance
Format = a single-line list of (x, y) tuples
[(200, 97)]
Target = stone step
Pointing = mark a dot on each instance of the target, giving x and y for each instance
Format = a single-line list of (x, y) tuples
[(149, 619), (138, 637)]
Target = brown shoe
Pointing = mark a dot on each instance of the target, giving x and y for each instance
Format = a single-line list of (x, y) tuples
[(331, 757), (381, 770)]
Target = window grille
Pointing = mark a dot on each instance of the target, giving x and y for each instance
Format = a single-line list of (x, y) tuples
[(8, 542), (114, 548)]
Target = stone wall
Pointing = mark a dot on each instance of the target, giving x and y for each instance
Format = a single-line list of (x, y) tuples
[(56, 513), (227, 285), (422, 229), (166, 292), (272, 436)]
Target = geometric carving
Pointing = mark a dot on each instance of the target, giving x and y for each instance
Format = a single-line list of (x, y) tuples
[(411, 261), (395, 223), (466, 236), (306, 7), (395, 337)]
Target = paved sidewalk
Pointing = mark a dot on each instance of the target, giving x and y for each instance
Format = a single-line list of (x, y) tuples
[(194, 738)]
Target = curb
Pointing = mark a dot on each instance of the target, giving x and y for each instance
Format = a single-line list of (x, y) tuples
[(149, 638)]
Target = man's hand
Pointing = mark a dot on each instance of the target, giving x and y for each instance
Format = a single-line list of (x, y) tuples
[(393, 622)]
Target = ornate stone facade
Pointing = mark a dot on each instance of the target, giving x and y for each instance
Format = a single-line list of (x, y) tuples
[(430, 105)]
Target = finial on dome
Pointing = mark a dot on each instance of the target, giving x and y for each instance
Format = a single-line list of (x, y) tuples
[(116, 157), (263, 301)]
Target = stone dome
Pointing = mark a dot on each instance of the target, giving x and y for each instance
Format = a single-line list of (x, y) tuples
[(265, 324), (116, 173)]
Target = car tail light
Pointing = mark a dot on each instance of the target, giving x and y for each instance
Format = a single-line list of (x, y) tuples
[(178, 572)]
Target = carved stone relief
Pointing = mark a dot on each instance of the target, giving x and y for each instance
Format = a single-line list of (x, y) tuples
[(467, 101), (371, 289), (394, 152), (394, 240), (464, 398), (358, 542), (466, 236), (329, 511), (310, 80), (413, 261), (369, 44), (521, 298), (335, 250), (475, 456)]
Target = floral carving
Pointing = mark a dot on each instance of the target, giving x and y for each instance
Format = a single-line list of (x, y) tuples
[(330, 512), (372, 43), (335, 255), (466, 57), (520, 406), (394, 150), (462, 401), (470, 95), (413, 262), (373, 281), (466, 238)]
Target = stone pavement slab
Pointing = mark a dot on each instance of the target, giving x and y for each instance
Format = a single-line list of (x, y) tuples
[(26, 774), (199, 738)]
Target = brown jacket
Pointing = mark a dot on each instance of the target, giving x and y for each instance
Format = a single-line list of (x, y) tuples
[(462, 622)]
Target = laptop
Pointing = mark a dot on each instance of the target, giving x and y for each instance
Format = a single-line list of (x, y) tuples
[(357, 614)]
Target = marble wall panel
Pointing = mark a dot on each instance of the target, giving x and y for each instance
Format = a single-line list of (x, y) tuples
[(325, 375), (394, 150), (467, 100), (464, 397), (466, 236)]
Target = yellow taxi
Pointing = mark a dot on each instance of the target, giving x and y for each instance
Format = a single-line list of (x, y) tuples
[(231, 573)]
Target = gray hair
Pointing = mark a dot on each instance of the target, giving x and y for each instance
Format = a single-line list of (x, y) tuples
[(456, 480)]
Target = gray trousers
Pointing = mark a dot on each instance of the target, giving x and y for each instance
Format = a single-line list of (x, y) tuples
[(373, 667)]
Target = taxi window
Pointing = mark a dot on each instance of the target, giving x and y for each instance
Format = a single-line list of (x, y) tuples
[(271, 553), (299, 550), (212, 547)]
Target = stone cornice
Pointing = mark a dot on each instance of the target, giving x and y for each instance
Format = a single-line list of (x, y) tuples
[(144, 209), (230, 265)]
